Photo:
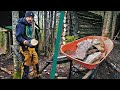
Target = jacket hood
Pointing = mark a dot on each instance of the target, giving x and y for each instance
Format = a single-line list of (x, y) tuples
[(23, 21)]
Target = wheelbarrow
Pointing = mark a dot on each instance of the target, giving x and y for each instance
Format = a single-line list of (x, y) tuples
[(72, 46)]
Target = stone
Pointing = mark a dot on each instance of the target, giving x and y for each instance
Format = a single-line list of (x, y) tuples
[(91, 58)]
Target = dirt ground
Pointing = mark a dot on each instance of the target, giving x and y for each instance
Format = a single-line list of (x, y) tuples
[(104, 70)]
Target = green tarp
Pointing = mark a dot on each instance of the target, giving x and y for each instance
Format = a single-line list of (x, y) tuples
[(9, 28)]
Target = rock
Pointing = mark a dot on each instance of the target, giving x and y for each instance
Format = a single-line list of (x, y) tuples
[(48, 73), (56, 74), (96, 41), (80, 52), (10, 67), (61, 77), (1, 77), (91, 58), (100, 48), (92, 51), (45, 70), (60, 70)]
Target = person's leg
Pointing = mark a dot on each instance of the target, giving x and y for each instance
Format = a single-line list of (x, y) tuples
[(25, 65), (35, 62), (25, 72), (37, 68)]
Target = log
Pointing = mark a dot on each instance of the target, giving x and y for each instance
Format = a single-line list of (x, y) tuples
[(5, 70), (89, 14), (87, 74)]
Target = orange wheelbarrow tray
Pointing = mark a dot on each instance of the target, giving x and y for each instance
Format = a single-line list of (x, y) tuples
[(72, 46)]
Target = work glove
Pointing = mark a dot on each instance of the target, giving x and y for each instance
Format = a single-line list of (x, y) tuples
[(27, 43)]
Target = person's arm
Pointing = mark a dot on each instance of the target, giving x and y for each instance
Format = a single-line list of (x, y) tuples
[(20, 33)]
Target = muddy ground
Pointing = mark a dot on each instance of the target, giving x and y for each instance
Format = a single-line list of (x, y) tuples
[(104, 70)]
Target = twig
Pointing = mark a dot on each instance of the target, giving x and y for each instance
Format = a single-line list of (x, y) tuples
[(113, 65)]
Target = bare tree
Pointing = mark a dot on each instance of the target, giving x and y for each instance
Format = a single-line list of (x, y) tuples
[(107, 23), (54, 27), (113, 24), (51, 29), (45, 23), (17, 73)]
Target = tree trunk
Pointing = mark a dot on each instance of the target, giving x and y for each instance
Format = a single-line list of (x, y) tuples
[(41, 32), (64, 28), (33, 32), (75, 24), (38, 18), (51, 29), (17, 73), (42, 19), (10, 39), (41, 42), (107, 23), (45, 22), (113, 24), (5, 42), (48, 32), (54, 29), (68, 24)]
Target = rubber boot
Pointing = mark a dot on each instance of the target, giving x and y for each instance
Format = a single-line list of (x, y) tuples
[(25, 72)]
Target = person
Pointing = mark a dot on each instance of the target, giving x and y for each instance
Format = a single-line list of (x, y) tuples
[(28, 52)]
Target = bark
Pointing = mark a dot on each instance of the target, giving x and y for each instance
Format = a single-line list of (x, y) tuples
[(41, 31), (5, 42), (75, 25), (45, 22), (54, 29), (33, 32), (107, 23), (51, 29), (113, 24), (9, 40), (15, 16)]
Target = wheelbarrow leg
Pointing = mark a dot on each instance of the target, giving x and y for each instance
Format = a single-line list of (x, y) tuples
[(70, 69), (94, 73), (47, 63)]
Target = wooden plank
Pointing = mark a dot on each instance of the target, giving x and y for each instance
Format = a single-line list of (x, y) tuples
[(89, 14)]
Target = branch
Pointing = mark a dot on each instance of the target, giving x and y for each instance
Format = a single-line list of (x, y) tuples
[(5, 70)]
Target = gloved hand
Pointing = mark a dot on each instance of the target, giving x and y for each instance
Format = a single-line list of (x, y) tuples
[(27, 43)]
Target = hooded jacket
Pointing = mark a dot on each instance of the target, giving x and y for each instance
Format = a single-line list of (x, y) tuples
[(23, 31)]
